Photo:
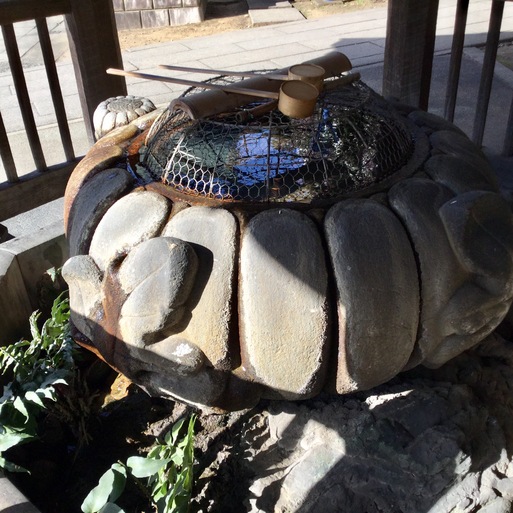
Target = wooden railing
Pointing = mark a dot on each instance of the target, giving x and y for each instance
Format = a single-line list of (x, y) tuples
[(409, 59), (94, 47)]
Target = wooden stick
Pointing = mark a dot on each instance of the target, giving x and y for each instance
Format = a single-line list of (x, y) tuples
[(226, 88), (269, 76)]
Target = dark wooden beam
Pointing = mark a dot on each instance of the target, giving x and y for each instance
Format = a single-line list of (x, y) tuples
[(94, 47), (34, 189), (12, 11), (411, 29)]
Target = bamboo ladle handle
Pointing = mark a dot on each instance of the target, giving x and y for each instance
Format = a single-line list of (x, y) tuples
[(270, 76), (227, 88)]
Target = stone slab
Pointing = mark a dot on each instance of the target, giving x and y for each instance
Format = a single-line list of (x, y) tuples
[(155, 18), (128, 20), (123, 227), (138, 5), (186, 15), (157, 276), (84, 280), (281, 15), (283, 304), (213, 235), (15, 305), (378, 312), (90, 205), (36, 253), (12, 500)]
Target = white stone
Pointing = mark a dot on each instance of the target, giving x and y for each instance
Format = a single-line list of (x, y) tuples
[(133, 219)]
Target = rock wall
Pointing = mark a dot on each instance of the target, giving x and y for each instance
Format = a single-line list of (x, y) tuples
[(133, 14)]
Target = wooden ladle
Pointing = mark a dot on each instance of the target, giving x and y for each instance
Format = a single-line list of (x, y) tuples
[(296, 98), (307, 72)]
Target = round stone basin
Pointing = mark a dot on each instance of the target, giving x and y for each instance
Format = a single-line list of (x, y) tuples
[(222, 293)]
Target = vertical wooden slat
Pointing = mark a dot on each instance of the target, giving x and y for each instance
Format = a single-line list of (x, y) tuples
[(507, 149), (458, 41), (55, 87), (409, 50), (20, 85), (6, 153), (485, 86), (429, 51), (94, 47)]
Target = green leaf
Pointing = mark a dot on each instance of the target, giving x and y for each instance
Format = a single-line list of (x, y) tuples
[(110, 507), (33, 397), (110, 486), (145, 467), (9, 440), (20, 406), (11, 467)]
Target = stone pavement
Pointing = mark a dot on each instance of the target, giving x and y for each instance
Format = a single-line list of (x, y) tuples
[(358, 34)]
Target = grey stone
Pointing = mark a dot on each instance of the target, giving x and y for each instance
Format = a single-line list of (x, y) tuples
[(499, 505), (162, 4), (458, 175), (213, 235), (36, 252), (137, 5), (128, 20), (14, 301), (282, 15), (161, 379), (84, 280), (283, 304), (459, 307), (378, 310), (433, 122), (155, 18), (12, 500), (92, 201), (157, 277), (480, 230), (133, 219), (505, 488), (118, 5), (451, 143), (186, 15)]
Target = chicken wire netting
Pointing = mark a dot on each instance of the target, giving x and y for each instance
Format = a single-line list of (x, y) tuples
[(354, 139)]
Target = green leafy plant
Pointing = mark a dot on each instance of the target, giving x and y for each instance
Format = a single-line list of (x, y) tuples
[(37, 367), (168, 470)]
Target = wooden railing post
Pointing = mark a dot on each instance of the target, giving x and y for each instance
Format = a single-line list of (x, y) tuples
[(94, 47), (409, 48)]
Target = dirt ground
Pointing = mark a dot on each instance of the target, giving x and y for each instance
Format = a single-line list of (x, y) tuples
[(227, 15)]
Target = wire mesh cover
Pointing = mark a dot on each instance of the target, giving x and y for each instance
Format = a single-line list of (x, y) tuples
[(353, 140)]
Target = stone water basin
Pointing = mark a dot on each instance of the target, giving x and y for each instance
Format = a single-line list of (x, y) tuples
[(220, 302)]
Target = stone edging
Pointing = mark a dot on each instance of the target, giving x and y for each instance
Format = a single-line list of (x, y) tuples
[(132, 14)]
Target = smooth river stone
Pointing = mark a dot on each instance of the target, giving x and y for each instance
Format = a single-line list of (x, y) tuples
[(213, 235), (417, 203), (460, 146), (433, 122), (157, 276), (459, 175), (283, 304), (84, 280), (377, 293), (136, 217), (92, 201)]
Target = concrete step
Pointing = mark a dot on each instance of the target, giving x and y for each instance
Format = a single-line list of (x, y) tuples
[(263, 12)]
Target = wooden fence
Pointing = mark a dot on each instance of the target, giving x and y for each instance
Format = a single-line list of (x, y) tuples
[(409, 53), (94, 47)]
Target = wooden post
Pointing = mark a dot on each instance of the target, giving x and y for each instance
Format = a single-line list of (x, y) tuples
[(409, 48), (94, 47)]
